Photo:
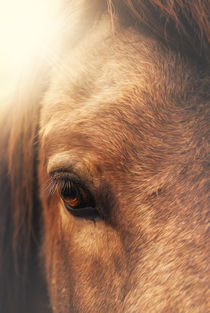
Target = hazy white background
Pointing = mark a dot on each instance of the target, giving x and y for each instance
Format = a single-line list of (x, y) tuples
[(26, 28)]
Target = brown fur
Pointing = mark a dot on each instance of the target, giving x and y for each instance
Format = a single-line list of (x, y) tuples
[(126, 108)]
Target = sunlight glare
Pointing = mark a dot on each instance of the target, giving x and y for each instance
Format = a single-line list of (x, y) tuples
[(27, 31)]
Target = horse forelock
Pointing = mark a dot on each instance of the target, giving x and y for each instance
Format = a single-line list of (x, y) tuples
[(183, 25)]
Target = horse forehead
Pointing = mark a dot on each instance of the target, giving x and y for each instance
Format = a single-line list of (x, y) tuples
[(102, 64), (98, 91)]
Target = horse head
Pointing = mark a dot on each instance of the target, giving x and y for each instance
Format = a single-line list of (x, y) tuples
[(107, 158)]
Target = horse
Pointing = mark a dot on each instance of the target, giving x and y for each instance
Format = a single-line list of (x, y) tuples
[(104, 165)]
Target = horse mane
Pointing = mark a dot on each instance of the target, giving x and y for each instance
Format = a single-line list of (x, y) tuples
[(182, 25), (18, 182)]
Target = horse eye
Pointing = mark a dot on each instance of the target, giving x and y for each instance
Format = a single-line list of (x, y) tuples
[(77, 200), (74, 195)]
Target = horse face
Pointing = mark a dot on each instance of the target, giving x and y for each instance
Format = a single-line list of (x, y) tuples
[(118, 204)]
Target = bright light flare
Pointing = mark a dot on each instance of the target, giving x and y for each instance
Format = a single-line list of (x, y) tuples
[(27, 27), (27, 33)]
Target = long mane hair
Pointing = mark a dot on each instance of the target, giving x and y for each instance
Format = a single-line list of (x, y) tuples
[(181, 25), (19, 204)]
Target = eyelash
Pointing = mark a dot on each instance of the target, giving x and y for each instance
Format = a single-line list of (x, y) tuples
[(76, 198)]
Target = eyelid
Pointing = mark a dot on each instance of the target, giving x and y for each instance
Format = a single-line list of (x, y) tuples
[(61, 176), (82, 169), (70, 162), (65, 174)]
